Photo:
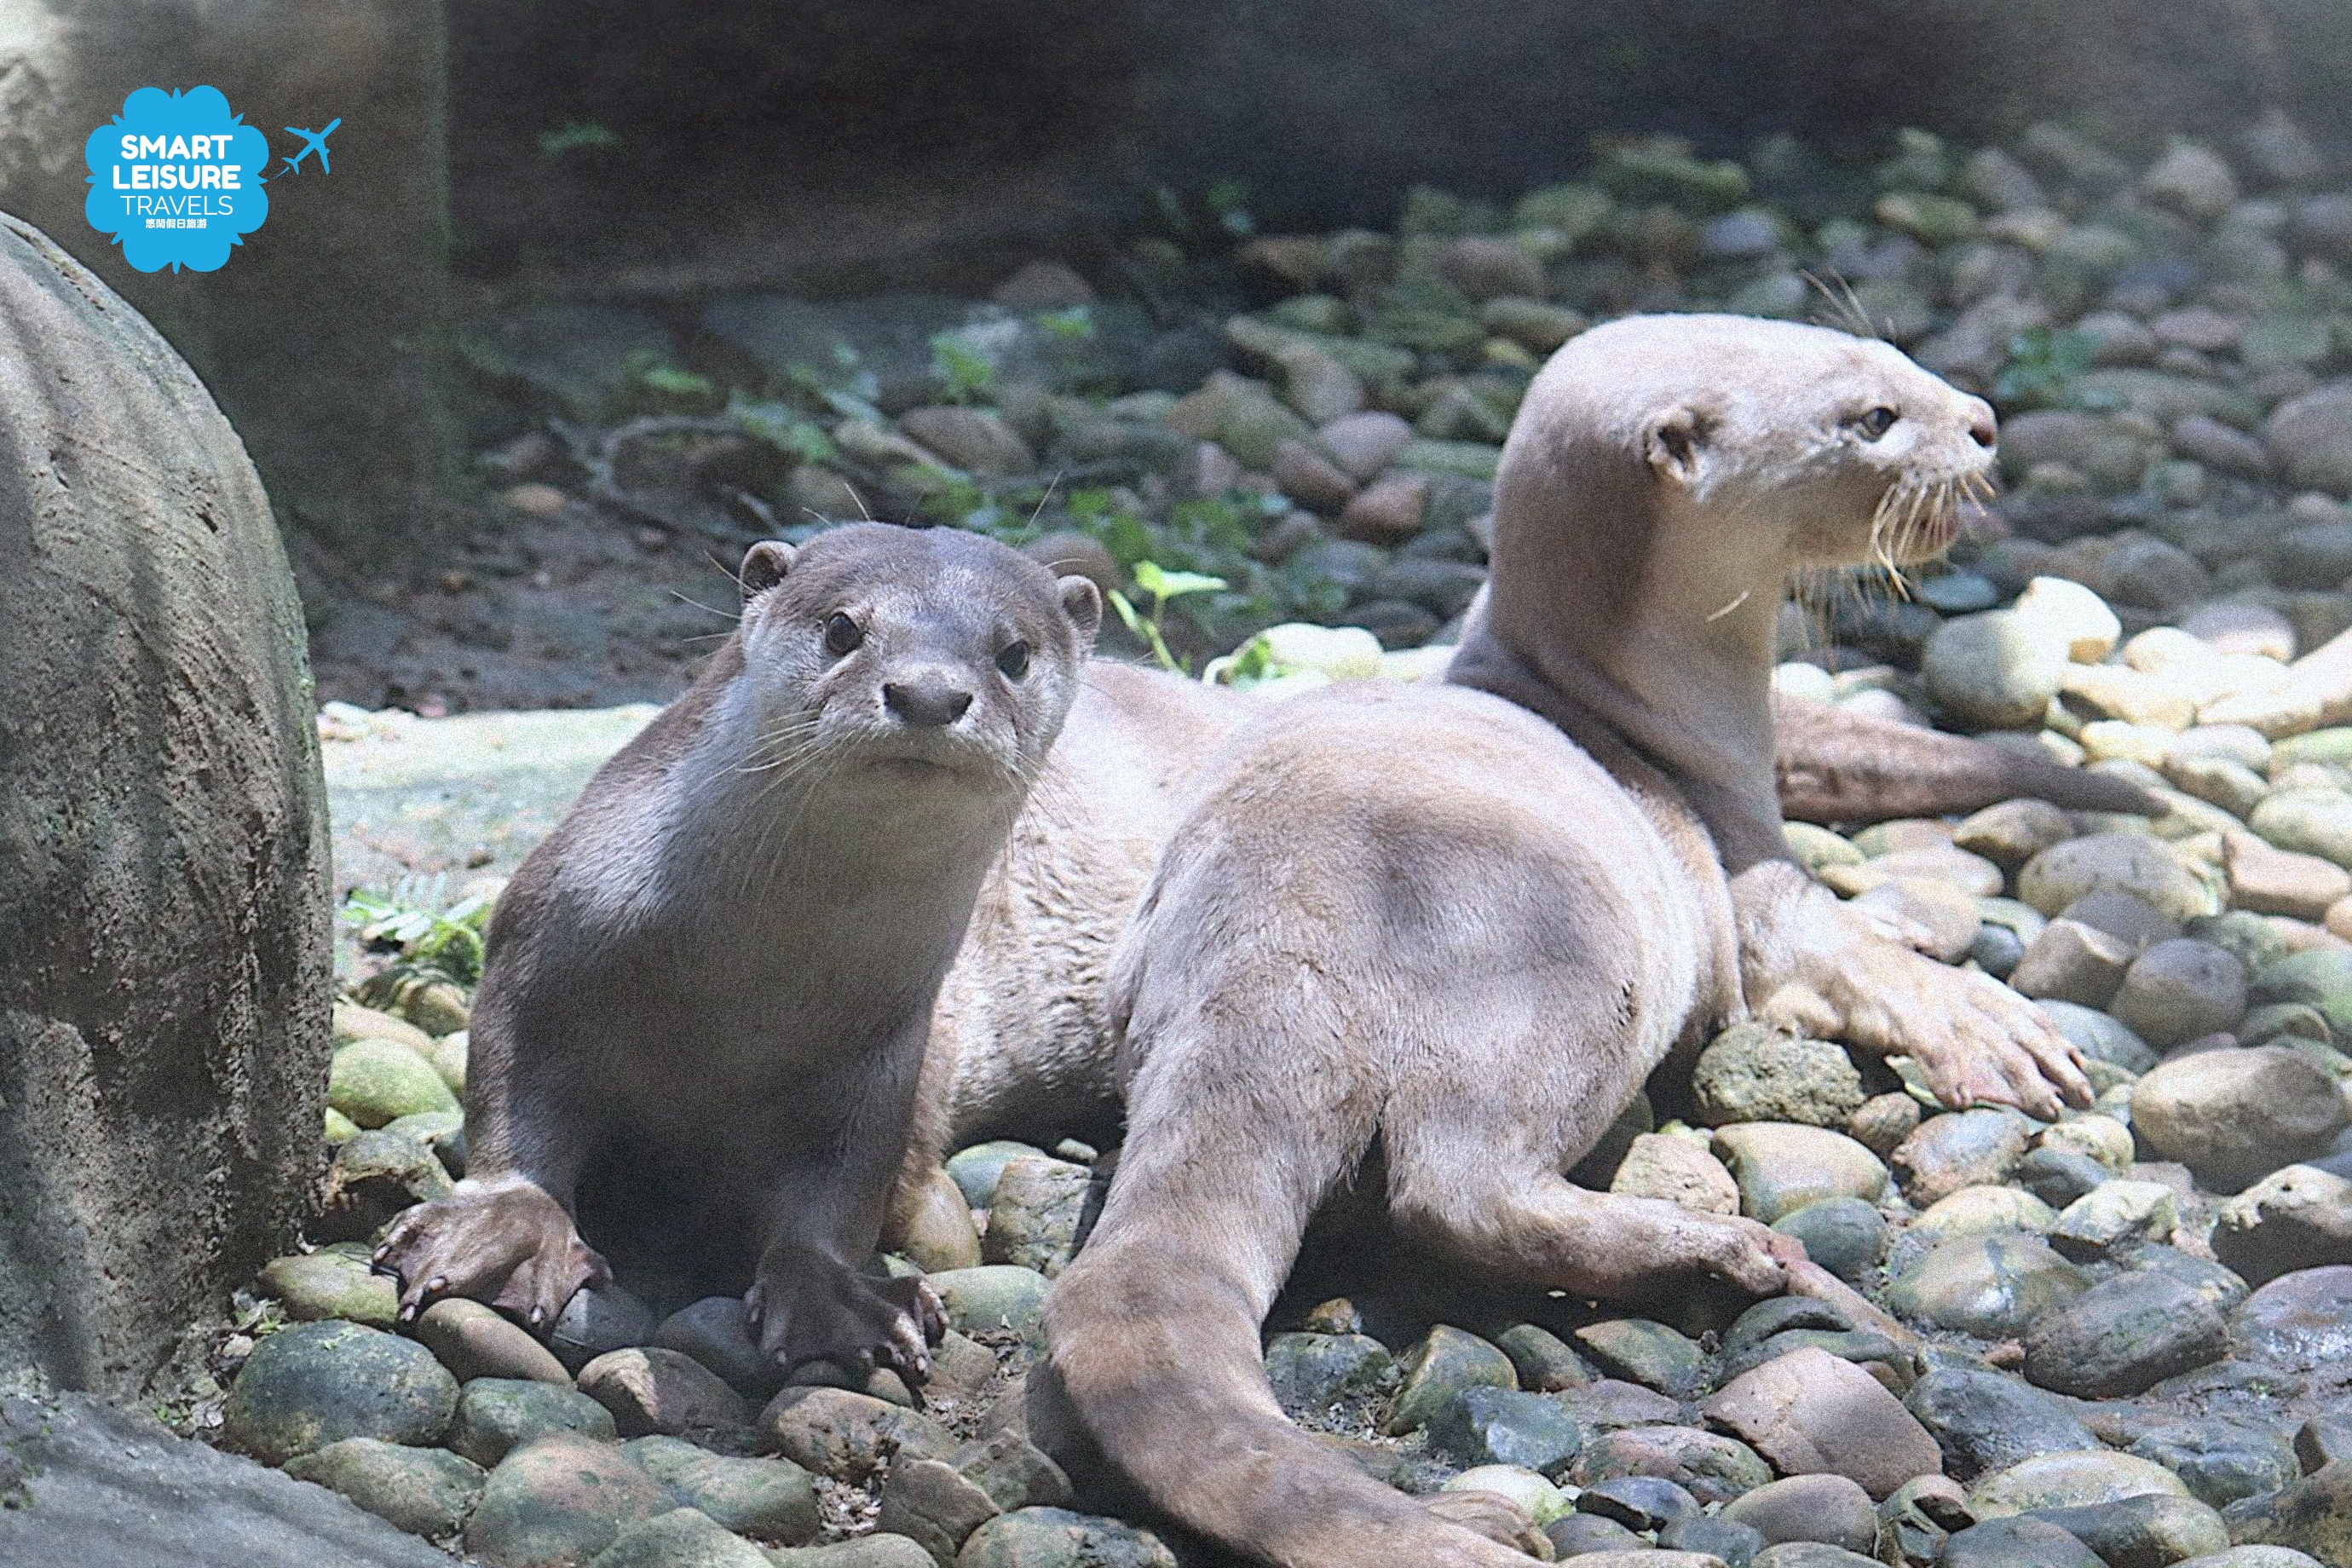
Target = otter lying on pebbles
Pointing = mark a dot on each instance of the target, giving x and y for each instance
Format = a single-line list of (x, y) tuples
[(1462, 922), (717, 975)]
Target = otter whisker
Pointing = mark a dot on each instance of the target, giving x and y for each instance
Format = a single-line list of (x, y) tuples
[(1735, 604)]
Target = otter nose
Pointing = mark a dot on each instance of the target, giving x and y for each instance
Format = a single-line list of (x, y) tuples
[(1982, 429), (927, 703)]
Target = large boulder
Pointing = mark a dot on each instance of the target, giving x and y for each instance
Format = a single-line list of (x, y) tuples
[(163, 960)]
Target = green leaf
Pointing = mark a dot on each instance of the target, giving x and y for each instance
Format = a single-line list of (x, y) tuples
[(1163, 584)]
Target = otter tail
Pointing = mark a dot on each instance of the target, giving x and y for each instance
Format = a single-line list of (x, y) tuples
[(1153, 1365), (1835, 766)]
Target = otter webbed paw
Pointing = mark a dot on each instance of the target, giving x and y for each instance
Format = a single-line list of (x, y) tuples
[(806, 1309), (1975, 1040), (1493, 1516), (504, 1241)]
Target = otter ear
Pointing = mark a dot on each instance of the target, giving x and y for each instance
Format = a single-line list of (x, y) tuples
[(1082, 602), (764, 566), (1673, 439)]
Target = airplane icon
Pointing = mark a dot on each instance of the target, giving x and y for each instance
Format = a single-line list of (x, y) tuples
[(316, 142)]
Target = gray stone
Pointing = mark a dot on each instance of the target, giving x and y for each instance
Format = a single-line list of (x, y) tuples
[(1488, 1426), (2220, 1461), (1828, 1509), (425, 1491), (1713, 1535), (2114, 862), (682, 1537), (1678, 1171), (2123, 1336), (715, 1332), (374, 1175), (859, 1551), (995, 1297), (972, 439), (94, 1487), (2313, 1515), (1581, 1536), (2299, 1218), (651, 1390), (600, 1319), (2145, 1532), (1992, 1286), (1969, 1148), (1781, 1167), (1752, 1072), (2069, 1480), (1544, 1361), (2311, 438), (2181, 989), (1809, 1554), (316, 1384), (2301, 1319), (497, 1415), (1057, 1538), (1710, 1467), (2100, 1037), (1983, 1421), (2111, 1214), (558, 1503), (159, 713), (2060, 1176), (2234, 1116), (2320, 978), (847, 1436), (1994, 670), (1312, 1373), (1846, 1235), (1646, 1352), (976, 1169), (2024, 1541), (1439, 1368), (1035, 1217)]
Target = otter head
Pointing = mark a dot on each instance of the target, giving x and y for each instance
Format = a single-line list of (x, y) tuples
[(919, 658), (1712, 456)]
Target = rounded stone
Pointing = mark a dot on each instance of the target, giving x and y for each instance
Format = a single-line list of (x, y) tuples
[(1983, 1211), (332, 1284), (377, 1081), (1846, 1235), (1542, 1500), (1057, 1538), (2119, 862), (1992, 1286), (1443, 1365), (682, 1537), (1034, 1213), (2234, 1116), (1710, 1467), (496, 1415), (425, 1491), (1828, 1509), (847, 1436), (1485, 1425), (2123, 1336), (2301, 1319), (1645, 1352), (2319, 978), (1311, 1373), (316, 1384), (976, 1169), (1811, 1412), (653, 1390), (2069, 1480), (473, 1340), (992, 1299), (1996, 670), (2181, 989), (715, 1332), (1781, 1167), (1964, 1149), (1883, 1122), (1678, 1170), (600, 1319), (1984, 1421), (1752, 1072), (559, 1501)]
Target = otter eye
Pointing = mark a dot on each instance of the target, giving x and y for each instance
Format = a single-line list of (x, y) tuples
[(842, 635), (1876, 423), (1014, 660)]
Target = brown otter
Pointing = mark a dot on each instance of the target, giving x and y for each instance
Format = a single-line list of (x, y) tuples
[(720, 969), (1462, 922)]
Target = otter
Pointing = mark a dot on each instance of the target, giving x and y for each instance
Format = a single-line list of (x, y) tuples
[(1457, 925), (712, 983)]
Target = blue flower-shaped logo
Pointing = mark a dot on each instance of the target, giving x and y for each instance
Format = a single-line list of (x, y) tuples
[(176, 179)]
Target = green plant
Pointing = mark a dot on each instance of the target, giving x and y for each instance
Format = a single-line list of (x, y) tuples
[(969, 375), (1162, 586), (784, 427), (433, 944), (1076, 324), (2042, 365), (577, 136)]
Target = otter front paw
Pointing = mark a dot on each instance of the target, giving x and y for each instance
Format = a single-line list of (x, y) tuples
[(1976, 1041), (504, 1241), (1493, 1516), (807, 1310)]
